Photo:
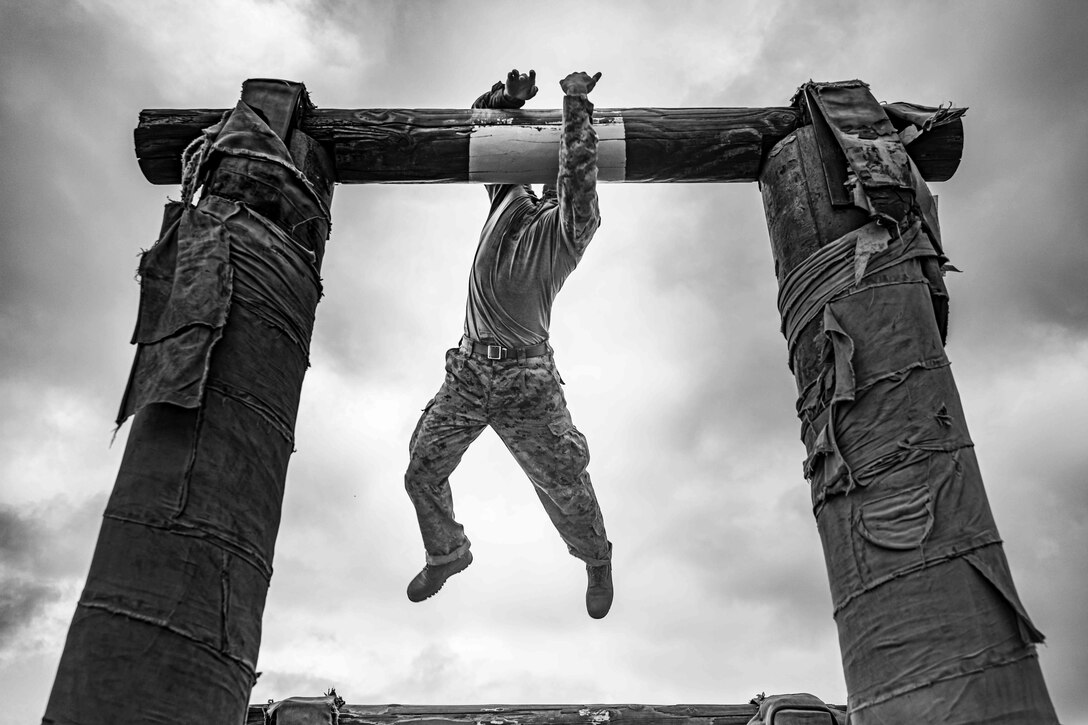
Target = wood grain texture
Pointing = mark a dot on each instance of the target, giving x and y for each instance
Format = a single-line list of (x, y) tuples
[(535, 714), (432, 145)]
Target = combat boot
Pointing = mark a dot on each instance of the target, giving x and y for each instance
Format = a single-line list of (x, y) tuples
[(427, 582), (599, 591)]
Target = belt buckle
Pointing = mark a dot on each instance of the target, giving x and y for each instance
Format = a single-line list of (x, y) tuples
[(499, 352)]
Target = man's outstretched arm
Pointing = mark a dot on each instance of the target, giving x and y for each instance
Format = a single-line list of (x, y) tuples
[(513, 93), (577, 185)]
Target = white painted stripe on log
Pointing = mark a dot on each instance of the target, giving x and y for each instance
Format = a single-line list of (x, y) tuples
[(525, 154)]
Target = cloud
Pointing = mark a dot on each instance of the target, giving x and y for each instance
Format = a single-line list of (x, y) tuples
[(17, 536), (22, 597), (66, 255), (39, 563), (21, 602)]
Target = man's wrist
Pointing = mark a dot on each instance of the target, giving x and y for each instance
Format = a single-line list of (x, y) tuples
[(507, 99)]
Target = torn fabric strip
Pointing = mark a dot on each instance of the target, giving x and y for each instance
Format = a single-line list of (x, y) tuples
[(841, 264)]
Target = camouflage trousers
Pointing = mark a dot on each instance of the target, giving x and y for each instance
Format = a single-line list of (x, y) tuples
[(524, 403)]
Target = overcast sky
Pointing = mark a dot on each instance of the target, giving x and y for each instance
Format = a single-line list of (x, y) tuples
[(667, 336)]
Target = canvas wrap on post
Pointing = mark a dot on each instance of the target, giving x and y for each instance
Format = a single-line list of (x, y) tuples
[(930, 626), (168, 627)]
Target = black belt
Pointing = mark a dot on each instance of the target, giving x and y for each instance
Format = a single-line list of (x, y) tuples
[(498, 352)]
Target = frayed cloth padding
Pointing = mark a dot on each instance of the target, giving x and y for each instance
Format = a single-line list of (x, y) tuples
[(223, 258), (896, 490)]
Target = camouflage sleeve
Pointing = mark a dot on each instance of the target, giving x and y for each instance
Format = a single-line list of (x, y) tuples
[(577, 186), (497, 98)]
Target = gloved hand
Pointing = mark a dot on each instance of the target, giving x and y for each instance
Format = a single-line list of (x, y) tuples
[(579, 83), (521, 86)]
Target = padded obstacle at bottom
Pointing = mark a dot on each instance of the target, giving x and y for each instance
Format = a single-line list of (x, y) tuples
[(793, 709)]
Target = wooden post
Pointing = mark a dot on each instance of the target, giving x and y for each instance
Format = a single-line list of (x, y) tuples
[(462, 145), (168, 626), (930, 626)]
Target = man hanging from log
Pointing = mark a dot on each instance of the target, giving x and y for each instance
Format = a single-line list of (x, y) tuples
[(503, 373)]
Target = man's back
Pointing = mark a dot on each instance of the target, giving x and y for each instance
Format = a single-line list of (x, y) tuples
[(521, 264), (530, 245)]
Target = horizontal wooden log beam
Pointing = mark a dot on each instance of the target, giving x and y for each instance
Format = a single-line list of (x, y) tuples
[(461, 145), (535, 714)]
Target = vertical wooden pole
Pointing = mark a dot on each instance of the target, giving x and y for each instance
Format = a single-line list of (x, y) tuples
[(168, 626), (930, 626)]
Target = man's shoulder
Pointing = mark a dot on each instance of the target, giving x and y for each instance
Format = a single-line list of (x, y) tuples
[(513, 196)]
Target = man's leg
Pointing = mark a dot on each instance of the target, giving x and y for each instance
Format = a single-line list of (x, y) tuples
[(536, 427), (449, 424), (534, 423)]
